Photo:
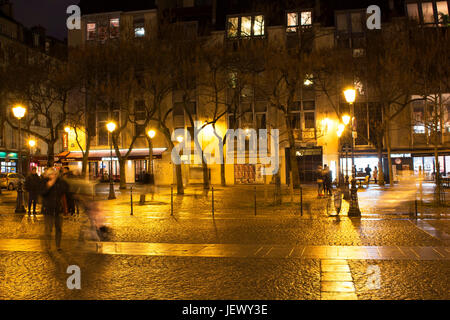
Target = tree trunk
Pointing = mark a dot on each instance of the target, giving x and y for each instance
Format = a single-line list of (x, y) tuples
[(50, 155), (292, 157), (388, 147), (84, 165), (123, 181), (85, 161)]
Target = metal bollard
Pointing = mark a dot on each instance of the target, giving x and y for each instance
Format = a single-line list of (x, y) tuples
[(171, 201), (131, 200), (255, 199), (212, 200), (415, 205), (301, 201)]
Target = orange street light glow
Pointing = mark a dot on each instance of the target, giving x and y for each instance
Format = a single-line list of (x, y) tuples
[(350, 95), (19, 111)]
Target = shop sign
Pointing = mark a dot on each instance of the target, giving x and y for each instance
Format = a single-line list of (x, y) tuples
[(65, 140)]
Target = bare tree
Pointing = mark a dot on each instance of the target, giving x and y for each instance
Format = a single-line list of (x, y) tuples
[(43, 85)]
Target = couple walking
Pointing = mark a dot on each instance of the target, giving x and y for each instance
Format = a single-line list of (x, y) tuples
[(324, 181)]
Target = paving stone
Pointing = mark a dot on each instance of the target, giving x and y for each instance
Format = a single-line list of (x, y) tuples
[(337, 286), (338, 296), (336, 276), (335, 268)]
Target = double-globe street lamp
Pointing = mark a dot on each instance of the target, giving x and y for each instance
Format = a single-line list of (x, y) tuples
[(19, 112), (350, 96), (111, 126)]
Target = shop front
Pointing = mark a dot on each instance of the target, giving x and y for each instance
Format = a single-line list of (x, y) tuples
[(308, 161), (100, 162), (9, 162), (426, 164)]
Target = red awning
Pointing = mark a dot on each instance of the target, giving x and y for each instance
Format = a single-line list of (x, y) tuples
[(98, 155)]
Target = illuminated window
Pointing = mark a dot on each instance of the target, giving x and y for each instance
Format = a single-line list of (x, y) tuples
[(258, 26), (245, 26), (233, 27), (306, 18), (91, 31), (419, 116), (427, 11), (298, 19), (139, 28), (292, 22), (413, 11), (442, 10), (114, 26)]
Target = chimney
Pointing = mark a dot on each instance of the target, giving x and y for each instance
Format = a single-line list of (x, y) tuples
[(6, 8)]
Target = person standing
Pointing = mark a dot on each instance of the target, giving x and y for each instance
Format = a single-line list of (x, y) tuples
[(54, 192), (320, 184), (368, 171), (327, 180), (32, 186), (375, 174)]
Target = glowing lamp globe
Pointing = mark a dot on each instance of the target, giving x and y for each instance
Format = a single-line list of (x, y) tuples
[(19, 111), (350, 95)]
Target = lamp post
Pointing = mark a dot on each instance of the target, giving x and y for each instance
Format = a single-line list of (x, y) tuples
[(19, 112), (350, 96), (31, 144), (111, 126), (151, 134)]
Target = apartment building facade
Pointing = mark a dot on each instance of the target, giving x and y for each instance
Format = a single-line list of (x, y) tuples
[(312, 115)]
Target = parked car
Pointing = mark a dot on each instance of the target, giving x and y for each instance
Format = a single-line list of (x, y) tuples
[(11, 180), (3, 180)]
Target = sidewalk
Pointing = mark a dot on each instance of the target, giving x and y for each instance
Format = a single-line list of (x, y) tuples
[(237, 250)]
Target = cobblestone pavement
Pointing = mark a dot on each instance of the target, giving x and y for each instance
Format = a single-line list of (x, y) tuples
[(386, 222)]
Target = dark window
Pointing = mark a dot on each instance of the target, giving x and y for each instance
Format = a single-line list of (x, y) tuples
[(361, 123), (310, 120), (139, 110)]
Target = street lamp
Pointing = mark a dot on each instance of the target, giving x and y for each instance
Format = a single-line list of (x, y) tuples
[(350, 96), (19, 112), (151, 134), (111, 126)]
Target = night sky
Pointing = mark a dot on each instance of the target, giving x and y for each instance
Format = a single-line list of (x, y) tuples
[(50, 14)]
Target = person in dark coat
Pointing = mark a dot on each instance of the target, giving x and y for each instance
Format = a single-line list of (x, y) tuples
[(32, 186), (327, 180), (54, 192)]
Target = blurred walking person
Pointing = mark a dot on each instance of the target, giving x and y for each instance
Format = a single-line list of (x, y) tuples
[(32, 186), (68, 177), (327, 180), (54, 192)]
